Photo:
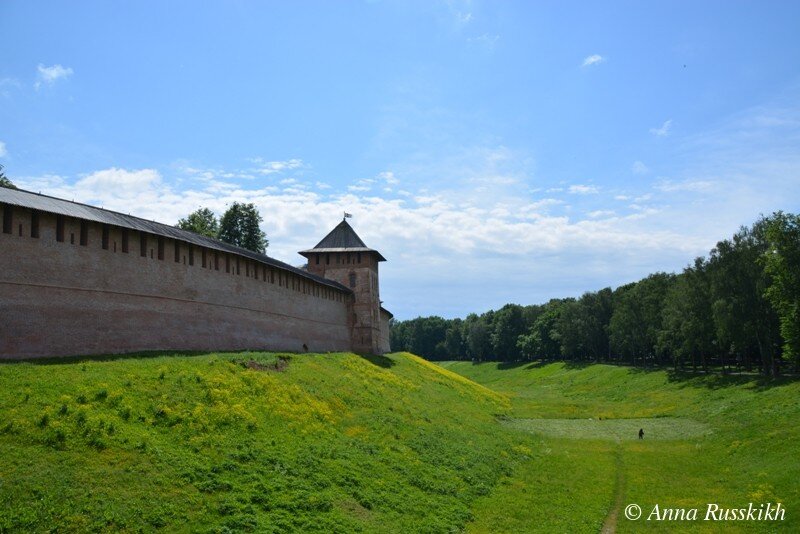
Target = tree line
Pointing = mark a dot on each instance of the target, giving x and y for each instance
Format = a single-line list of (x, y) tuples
[(738, 308)]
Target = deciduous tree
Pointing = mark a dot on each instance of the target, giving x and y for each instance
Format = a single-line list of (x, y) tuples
[(4, 181), (239, 226), (203, 222)]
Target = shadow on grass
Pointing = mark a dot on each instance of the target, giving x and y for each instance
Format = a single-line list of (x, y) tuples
[(716, 381), (502, 366), (381, 361), (713, 379), (528, 364), (577, 364)]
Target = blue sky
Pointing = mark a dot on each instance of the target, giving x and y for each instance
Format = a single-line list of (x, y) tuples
[(494, 152)]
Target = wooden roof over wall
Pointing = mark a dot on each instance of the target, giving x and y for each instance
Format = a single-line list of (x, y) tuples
[(58, 206)]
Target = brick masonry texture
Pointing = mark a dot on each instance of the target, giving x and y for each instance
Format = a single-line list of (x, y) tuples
[(68, 298)]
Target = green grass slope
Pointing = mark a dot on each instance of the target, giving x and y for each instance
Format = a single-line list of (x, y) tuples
[(708, 439), (248, 442)]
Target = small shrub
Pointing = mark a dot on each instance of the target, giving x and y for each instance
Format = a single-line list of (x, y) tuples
[(125, 413), (213, 485), (114, 400), (43, 420), (80, 418), (241, 522), (228, 507), (95, 440), (101, 395), (64, 410), (56, 438), (82, 399)]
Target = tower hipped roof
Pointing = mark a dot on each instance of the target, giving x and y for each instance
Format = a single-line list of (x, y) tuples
[(342, 239)]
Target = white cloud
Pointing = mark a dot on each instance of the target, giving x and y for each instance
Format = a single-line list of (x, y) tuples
[(583, 189), (695, 186), (365, 184), (50, 75), (663, 131), (639, 168), (388, 177), (594, 59), (622, 197), (272, 167), (3, 150), (601, 213), (460, 11)]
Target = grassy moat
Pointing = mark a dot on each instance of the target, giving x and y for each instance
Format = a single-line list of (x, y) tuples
[(267, 442)]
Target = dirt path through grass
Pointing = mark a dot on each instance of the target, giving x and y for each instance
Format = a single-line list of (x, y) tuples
[(610, 524)]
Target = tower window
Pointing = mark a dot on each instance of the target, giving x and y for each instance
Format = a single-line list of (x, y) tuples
[(7, 220), (352, 279), (203, 255), (85, 234), (34, 223), (105, 237), (125, 233), (327, 259), (177, 252), (358, 257), (160, 248), (191, 255), (143, 245), (59, 227), (317, 257)]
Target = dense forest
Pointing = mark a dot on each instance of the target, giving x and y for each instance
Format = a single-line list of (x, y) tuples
[(737, 309)]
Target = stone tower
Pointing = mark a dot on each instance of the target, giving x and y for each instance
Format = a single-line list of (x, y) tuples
[(343, 257)]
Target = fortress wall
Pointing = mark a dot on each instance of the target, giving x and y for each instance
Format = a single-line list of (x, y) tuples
[(65, 298), (385, 339)]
